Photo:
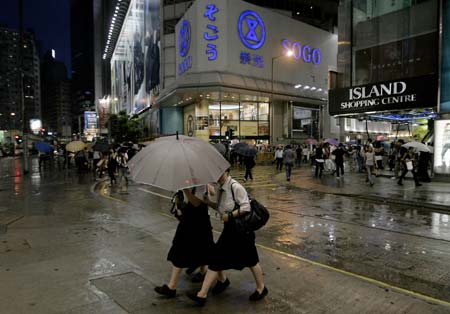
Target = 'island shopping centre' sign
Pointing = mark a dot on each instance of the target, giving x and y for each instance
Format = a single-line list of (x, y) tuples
[(418, 92)]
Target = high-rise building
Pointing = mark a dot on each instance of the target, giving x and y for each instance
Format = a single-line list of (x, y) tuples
[(10, 79), (56, 97), (82, 42)]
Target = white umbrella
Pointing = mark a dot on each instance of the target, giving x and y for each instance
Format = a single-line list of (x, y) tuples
[(177, 162), (417, 146)]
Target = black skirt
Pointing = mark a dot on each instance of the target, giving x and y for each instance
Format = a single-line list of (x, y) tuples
[(234, 250), (193, 243)]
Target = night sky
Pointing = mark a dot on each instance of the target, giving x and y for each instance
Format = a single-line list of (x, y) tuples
[(50, 20)]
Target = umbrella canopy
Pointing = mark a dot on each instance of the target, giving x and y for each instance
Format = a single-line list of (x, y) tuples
[(311, 141), (102, 147), (418, 146), (177, 162), (332, 141), (43, 147), (240, 147), (249, 152), (220, 148), (75, 146)]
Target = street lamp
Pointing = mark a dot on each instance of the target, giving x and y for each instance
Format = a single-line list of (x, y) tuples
[(288, 54)]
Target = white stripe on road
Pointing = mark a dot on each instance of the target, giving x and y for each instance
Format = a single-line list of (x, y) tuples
[(154, 193)]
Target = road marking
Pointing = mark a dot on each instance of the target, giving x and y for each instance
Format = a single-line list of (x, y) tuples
[(324, 266), (105, 195), (154, 193)]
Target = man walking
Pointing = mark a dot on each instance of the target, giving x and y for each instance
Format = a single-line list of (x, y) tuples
[(409, 164), (279, 158), (289, 157), (339, 160)]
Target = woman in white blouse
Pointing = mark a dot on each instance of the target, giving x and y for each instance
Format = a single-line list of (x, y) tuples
[(234, 249)]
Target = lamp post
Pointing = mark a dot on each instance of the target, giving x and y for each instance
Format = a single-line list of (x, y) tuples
[(288, 54)]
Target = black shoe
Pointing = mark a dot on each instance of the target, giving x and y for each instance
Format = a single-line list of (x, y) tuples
[(165, 290), (418, 184), (198, 277), (199, 301), (190, 270), (220, 286), (399, 183), (256, 296)]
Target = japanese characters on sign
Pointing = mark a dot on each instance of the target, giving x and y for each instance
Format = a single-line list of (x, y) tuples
[(212, 31)]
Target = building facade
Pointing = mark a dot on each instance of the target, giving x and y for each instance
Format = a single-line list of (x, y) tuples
[(82, 44), (233, 90), (10, 80), (56, 97), (388, 69)]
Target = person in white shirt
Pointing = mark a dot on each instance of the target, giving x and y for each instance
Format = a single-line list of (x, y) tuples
[(234, 249), (279, 158), (369, 158)]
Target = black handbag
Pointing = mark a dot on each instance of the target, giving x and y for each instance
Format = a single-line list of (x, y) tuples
[(253, 220)]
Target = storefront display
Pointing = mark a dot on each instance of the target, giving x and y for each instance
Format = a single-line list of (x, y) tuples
[(442, 146)]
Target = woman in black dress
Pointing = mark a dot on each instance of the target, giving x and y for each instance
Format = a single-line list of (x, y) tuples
[(235, 249), (193, 242)]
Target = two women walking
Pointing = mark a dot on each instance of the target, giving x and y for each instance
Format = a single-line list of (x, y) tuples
[(235, 249)]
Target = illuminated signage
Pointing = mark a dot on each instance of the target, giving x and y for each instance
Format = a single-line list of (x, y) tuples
[(307, 53), (184, 39), (252, 30), (252, 59), (212, 31), (184, 43)]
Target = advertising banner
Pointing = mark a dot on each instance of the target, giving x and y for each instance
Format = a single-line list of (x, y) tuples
[(442, 146), (90, 120), (408, 93), (135, 71)]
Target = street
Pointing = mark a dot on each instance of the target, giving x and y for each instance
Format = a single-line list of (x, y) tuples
[(72, 245)]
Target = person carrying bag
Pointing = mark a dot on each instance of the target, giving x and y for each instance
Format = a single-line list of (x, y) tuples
[(236, 247)]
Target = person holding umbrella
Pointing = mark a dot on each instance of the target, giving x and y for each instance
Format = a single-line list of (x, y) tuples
[(193, 242), (409, 164), (234, 249)]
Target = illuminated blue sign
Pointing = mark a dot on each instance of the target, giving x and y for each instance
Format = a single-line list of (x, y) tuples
[(307, 53), (252, 30), (212, 31), (252, 59), (184, 38)]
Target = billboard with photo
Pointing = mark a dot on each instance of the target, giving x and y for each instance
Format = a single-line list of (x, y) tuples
[(442, 146), (135, 65)]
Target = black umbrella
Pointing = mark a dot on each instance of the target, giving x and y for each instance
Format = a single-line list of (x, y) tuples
[(245, 150), (102, 147)]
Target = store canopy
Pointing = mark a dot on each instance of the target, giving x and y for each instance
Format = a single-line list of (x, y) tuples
[(242, 84)]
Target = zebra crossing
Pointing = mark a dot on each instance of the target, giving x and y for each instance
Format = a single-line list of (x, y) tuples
[(263, 177)]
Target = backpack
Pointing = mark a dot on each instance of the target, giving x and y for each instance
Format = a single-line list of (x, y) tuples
[(255, 219)]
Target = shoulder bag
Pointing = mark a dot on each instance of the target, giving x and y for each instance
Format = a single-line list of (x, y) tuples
[(253, 220)]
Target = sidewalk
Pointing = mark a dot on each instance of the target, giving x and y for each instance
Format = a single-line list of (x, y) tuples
[(433, 195)]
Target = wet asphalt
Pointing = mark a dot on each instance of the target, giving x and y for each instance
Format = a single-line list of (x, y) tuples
[(403, 246)]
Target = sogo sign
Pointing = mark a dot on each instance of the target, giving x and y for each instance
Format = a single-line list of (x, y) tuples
[(306, 52)]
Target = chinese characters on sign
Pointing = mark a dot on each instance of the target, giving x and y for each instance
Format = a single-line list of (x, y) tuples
[(252, 59), (212, 32)]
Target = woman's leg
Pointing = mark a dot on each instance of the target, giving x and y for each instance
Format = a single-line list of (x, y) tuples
[(210, 277), (258, 275), (174, 277)]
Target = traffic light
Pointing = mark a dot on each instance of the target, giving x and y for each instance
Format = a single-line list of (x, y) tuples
[(19, 139)]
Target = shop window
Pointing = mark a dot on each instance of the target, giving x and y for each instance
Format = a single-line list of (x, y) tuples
[(230, 111), (249, 111), (214, 119), (263, 128), (263, 112)]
